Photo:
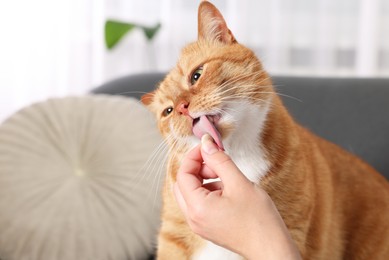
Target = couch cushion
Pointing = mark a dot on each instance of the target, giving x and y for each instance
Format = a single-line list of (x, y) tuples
[(77, 180), (352, 113)]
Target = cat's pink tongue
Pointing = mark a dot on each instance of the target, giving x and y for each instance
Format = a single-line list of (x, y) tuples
[(205, 126)]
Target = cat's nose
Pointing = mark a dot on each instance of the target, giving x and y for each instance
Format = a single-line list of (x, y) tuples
[(183, 108)]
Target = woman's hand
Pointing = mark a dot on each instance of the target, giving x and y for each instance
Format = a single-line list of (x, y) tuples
[(233, 212)]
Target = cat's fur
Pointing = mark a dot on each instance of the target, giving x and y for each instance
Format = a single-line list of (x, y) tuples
[(334, 205)]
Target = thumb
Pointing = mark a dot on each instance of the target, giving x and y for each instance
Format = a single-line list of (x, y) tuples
[(220, 163)]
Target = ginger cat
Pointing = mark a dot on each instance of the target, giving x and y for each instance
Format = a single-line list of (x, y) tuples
[(334, 205)]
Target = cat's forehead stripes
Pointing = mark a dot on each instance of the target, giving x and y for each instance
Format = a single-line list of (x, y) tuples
[(170, 89), (199, 53)]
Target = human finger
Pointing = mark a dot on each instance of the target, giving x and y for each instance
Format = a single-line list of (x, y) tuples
[(180, 200), (207, 173), (192, 162), (213, 186), (220, 163), (189, 179)]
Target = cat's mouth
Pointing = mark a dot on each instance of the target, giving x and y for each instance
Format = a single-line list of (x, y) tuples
[(206, 124)]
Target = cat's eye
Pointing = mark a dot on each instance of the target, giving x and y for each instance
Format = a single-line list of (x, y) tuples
[(196, 75), (167, 111)]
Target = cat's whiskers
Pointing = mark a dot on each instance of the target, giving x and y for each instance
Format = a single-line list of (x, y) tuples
[(247, 73), (244, 95), (158, 172), (174, 149), (156, 184), (234, 80), (238, 78), (224, 111), (241, 87), (251, 89), (288, 96), (153, 156), (175, 145), (242, 78), (226, 85), (240, 98), (267, 92), (148, 168)]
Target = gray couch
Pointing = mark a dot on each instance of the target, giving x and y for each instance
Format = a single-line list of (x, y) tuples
[(351, 112)]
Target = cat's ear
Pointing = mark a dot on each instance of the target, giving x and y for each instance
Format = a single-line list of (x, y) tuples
[(147, 98), (211, 24)]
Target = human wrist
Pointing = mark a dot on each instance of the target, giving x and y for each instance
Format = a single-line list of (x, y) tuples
[(278, 246), (269, 237)]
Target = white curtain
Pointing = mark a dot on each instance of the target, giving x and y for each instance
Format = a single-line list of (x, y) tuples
[(56, 48), (48, 48)]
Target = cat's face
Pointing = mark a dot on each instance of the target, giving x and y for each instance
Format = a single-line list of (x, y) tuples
[(215, 77)]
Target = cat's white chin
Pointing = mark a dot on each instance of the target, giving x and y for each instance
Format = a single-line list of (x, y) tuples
[(242, 142)]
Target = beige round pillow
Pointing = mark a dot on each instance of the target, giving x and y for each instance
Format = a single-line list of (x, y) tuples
[(79, 180)]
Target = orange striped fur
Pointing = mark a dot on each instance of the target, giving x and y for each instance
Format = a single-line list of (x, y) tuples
[(335, 205)]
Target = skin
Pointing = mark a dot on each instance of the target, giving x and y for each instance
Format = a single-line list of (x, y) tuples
[(233, 212)]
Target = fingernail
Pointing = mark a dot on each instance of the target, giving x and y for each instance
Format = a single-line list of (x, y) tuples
[(208, 145)]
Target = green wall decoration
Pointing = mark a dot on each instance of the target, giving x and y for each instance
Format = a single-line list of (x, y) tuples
[(115, 30)]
